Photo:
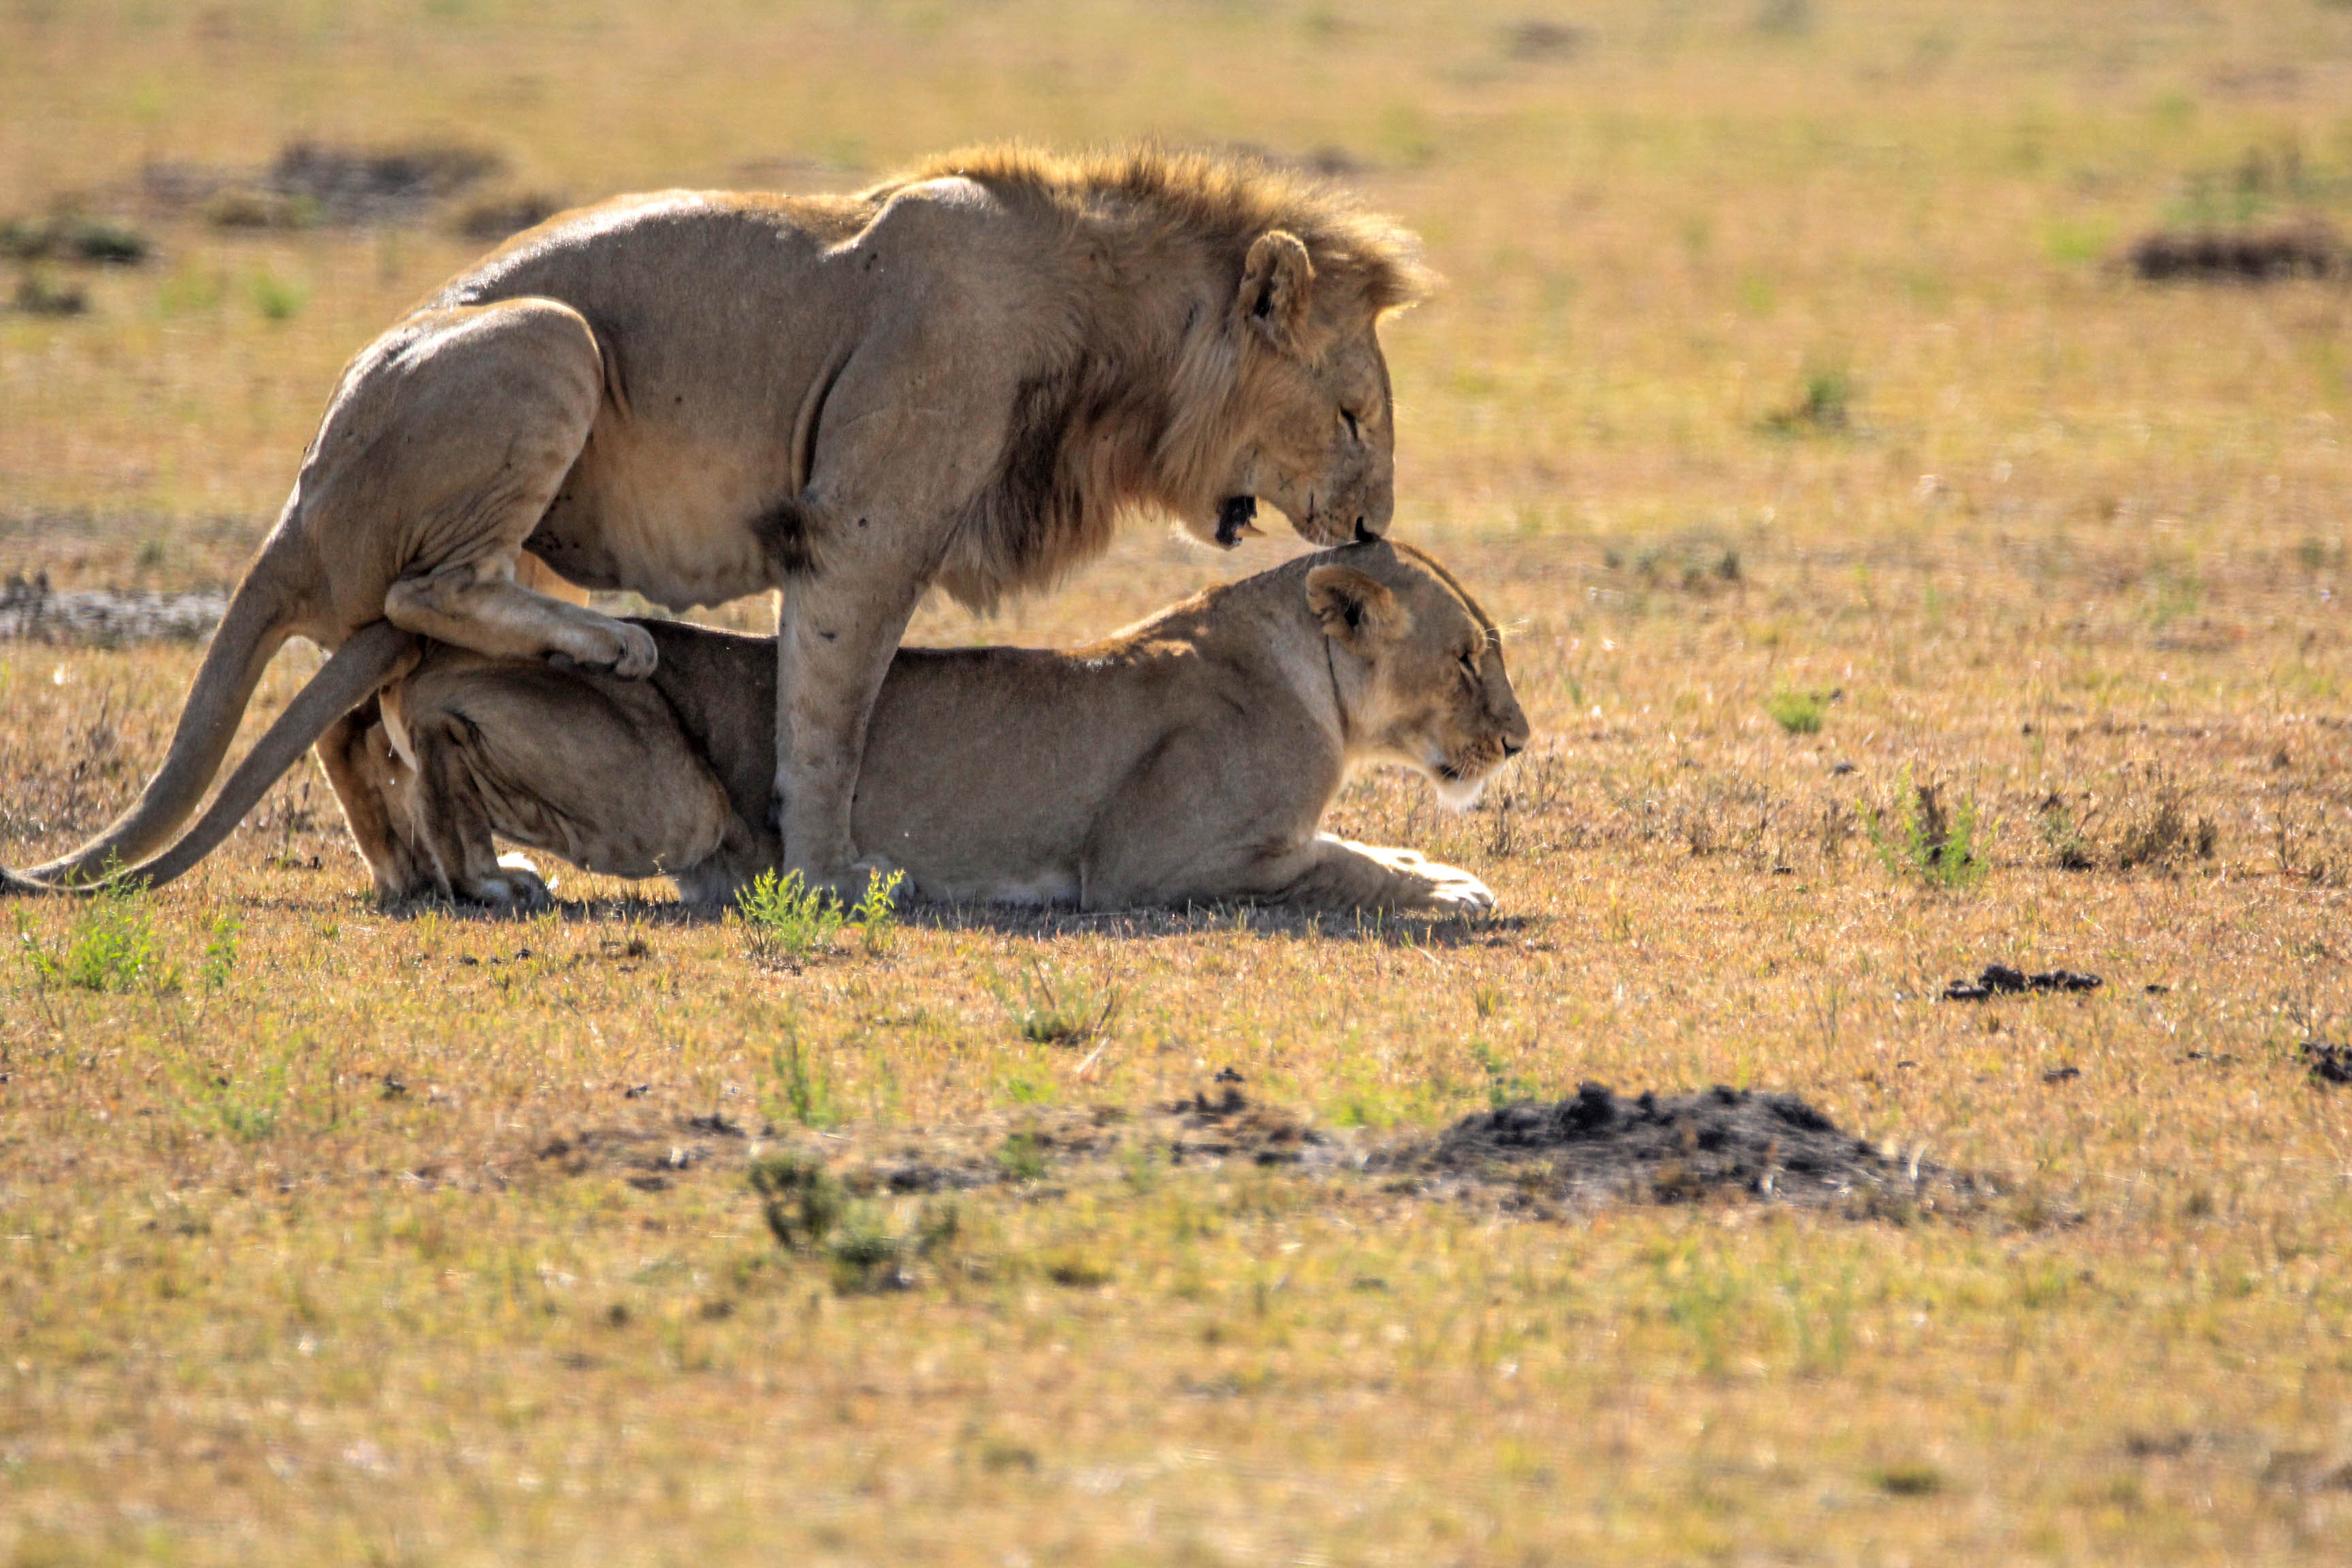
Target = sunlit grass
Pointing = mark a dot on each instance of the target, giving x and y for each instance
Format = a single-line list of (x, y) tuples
[(1780, 361)]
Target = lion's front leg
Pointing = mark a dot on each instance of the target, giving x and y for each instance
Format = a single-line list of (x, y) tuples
[(1330, 872), (836, 635)]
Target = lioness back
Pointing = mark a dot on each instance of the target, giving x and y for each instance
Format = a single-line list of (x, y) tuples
[(979, 762)]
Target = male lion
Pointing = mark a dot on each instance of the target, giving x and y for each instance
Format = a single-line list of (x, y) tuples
[(959, 376), (1189, 757)]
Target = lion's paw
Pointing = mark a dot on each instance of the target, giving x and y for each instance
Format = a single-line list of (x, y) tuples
[(638, 654), (516, 886), (1454, 892)]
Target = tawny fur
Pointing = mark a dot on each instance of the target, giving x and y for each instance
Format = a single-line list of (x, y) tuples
[(961, 376), (1190, 757)]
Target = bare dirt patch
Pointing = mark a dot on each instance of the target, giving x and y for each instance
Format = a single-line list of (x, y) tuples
[(31, 611), (1602, 1147), (311, 183), (1542, 1160)]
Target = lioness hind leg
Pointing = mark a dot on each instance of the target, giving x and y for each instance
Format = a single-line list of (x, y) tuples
[(442, 451), (452, 822), (584, 766)]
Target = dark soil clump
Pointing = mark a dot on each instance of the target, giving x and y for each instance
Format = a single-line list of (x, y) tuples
[(2328, 1063), (1999, 980), (2247, 256), (1600, 1146)]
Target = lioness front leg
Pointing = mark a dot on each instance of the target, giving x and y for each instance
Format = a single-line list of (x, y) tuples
[(1330, 872)]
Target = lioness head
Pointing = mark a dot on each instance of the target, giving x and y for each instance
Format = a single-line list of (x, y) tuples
[(1314, 428), (1426, 685)]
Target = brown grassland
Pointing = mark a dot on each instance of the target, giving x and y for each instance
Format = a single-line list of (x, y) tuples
[(1786, 403)]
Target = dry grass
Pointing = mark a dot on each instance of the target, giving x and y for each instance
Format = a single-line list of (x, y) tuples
[(1781, 356)]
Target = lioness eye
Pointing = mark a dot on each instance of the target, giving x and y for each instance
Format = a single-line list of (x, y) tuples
[(1350, 418), (1469, 663)]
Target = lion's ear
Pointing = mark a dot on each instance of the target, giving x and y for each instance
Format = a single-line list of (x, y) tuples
[(1276, 283), (1358, 612)]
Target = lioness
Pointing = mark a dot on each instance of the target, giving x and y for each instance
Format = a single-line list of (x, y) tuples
[(959, 376), (1189, 757)]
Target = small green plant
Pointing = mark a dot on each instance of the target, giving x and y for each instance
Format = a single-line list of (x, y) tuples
[(1027, 1088), (785, 922), (1504, 1087), (1823, 407), (1919, 836), (2062, 837), (1909, 1479), (1798, 713), (876, 915), (38, 294), (809, 1211), (1022, 1157), (246, 1109), (1055, 1009), (800, 1199), (111, 947), (804, 1090), (220, 952), (278, 300), (71, 237)]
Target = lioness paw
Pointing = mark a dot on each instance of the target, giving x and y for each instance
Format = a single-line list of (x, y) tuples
[(516, 886), (1454, 892)]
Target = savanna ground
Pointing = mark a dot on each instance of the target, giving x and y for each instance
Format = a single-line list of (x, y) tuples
[(1785, 373)]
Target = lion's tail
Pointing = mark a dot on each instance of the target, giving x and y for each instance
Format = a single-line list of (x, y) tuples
[(257, 622), (259, 618), (367, 658)]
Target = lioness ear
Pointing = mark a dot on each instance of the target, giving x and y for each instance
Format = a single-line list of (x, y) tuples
[(1358, 612), (1276, 283)]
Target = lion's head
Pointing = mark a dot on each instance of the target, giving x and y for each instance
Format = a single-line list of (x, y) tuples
[(1313, 415), (1424, 683), (1226, 351)]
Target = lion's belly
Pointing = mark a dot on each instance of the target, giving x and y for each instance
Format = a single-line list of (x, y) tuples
[(670, 519)]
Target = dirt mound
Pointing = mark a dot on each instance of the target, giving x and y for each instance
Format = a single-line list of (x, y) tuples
[(1600, 1146), (313, 182), (1540, 1160), (31, 611)]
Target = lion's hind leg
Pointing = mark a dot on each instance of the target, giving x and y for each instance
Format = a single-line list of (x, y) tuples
[(444, 448)]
